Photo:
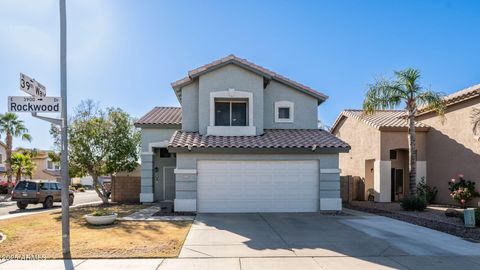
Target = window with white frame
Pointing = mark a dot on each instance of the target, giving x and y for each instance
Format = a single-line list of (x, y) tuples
[(284, 111), (53, 166), (231, 112)]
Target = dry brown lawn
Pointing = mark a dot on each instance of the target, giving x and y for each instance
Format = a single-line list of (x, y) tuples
[(40, 235)]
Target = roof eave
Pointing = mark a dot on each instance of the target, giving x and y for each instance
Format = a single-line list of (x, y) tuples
[(419, 129), (147, 125), (291, 150), (452, 102), (178, 85)]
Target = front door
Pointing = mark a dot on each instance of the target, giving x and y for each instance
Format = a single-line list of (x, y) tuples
[(396, 183), (164, 179), (169, 183)]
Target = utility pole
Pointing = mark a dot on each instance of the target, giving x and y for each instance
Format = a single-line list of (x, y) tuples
[(64, 129)]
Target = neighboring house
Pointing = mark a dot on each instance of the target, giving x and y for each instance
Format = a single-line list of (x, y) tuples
[(3, 155), (45, 168), (244, 140), (379, 154)]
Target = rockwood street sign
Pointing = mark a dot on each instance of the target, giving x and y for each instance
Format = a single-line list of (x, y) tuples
[(32, 87), (34, 104)]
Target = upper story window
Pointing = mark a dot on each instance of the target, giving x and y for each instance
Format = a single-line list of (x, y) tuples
[(231, 112), (284, 111), (54, 166)]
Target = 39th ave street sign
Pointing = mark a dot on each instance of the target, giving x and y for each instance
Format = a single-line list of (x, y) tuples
[(32, 87), (34, 104)]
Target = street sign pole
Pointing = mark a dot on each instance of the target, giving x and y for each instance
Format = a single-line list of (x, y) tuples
[(64, 129)]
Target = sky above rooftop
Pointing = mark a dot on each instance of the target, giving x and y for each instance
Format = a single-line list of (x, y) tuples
[(125, 53)]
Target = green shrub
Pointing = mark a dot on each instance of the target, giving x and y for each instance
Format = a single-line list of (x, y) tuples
[(101, 212), (414, 203), (477, 217), (81, 189), (462, 190), (77, 185), (426, 191)]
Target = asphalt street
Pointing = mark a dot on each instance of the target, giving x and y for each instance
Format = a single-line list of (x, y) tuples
[(8, 208)]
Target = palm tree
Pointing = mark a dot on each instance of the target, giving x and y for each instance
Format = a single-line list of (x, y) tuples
[(11, 126), (476, 122), (22, 165), (405, 88)]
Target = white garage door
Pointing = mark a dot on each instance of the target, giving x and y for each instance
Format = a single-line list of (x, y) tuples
[(257, 186)]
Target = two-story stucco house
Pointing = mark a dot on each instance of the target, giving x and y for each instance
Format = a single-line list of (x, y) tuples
[(244, 140), (446, 147)]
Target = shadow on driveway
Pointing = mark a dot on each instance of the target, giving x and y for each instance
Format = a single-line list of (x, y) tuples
[(372, 238)]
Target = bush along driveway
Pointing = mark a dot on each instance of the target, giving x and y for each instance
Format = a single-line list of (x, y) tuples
[(40, 234)]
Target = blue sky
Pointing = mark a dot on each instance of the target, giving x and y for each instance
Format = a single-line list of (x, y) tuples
[(125, 53)]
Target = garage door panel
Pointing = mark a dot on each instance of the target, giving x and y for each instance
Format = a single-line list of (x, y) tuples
[(257, 186)]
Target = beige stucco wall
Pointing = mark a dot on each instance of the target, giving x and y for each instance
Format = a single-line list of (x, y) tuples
[(399, 140), (38, 173), (3, 154), (369, 144), (365, 143), (452, 148)]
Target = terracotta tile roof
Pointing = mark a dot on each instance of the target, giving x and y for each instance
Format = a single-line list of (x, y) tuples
[(249, 65), (379, 119), (271, 139), (462, 95), (162, 116)]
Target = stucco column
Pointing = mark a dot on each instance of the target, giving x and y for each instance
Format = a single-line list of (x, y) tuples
[(330, 184), (382, 180), (146, 185), (421, 171)]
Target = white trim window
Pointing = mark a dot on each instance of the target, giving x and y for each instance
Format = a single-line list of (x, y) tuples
[(231, 113), (284, 111), (52, 166)]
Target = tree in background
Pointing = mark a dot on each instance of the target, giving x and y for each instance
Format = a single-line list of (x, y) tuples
[(22, 165), (405, 88), (11, 126), (102, 142)]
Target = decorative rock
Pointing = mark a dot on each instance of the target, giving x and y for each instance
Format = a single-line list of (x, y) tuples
[(451, 212)]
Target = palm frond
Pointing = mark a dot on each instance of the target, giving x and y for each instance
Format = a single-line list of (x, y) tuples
[(382, 95), (409, 78), (26, 137), (433, 101)]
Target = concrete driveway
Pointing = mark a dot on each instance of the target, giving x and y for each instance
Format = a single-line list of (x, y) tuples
[(296, 241), (375, 239)]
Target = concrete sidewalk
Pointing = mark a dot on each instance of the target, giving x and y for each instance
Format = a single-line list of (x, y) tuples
[(279, 263)]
